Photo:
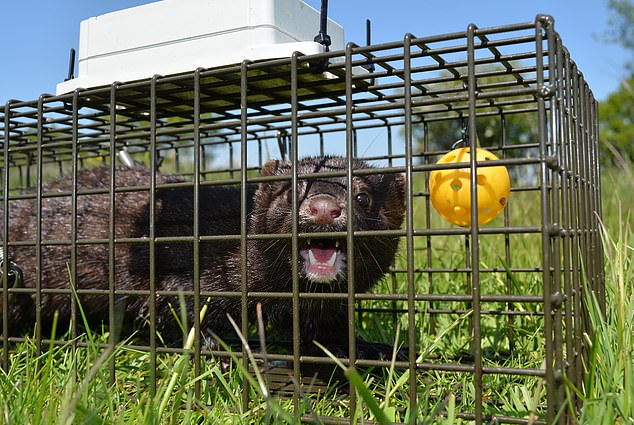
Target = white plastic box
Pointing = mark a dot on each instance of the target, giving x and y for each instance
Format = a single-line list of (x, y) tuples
[(172, 36)]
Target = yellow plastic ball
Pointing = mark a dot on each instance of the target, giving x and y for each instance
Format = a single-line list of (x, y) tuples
[(450, 189)]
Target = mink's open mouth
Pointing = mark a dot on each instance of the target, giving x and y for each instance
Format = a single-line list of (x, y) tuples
[(324, 259)]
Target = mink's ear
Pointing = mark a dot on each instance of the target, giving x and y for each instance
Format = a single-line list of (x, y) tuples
[(270, 167), (273, 167), (395, 201), (397, 191), (399, 182)]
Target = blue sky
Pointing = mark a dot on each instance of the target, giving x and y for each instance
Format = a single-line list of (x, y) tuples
[(37, 34)]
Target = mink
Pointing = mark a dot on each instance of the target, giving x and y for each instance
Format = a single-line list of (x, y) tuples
[(322, 263)]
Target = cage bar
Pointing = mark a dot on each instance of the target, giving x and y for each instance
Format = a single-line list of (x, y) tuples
[(472, 307)]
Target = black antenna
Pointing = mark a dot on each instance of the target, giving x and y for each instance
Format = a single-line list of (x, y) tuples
[(368, 42), (323, 38), (71, 65)]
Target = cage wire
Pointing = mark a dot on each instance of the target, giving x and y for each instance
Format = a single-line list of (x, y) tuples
[(469, 302)]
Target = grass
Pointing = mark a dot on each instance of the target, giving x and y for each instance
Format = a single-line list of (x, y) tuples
[(608, 392), (69, 382)]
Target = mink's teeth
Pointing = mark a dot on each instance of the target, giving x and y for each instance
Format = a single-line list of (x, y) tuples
[(331, 262)]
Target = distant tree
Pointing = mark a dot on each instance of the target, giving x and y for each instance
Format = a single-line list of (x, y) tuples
[(621, 27), (616, 124), (508, 128), (517, 129), (616, 113)]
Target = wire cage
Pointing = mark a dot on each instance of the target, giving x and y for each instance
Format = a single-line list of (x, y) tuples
[(476, 309)]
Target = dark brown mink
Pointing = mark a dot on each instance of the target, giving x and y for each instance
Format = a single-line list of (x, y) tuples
[(92, 222), (378, 204)]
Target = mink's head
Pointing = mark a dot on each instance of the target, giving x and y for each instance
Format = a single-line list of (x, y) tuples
[(377, 204)]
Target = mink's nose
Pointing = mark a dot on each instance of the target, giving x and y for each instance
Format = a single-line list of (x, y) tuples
[(323, 209)]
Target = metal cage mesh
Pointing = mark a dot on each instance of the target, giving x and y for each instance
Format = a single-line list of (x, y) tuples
[(512, 89)]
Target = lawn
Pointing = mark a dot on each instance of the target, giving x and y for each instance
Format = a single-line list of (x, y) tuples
[(72, 383)]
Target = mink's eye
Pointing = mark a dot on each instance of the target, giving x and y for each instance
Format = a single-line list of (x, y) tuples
[(362, 199)]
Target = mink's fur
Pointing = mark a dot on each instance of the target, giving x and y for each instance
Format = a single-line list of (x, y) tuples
[(269, 261)]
